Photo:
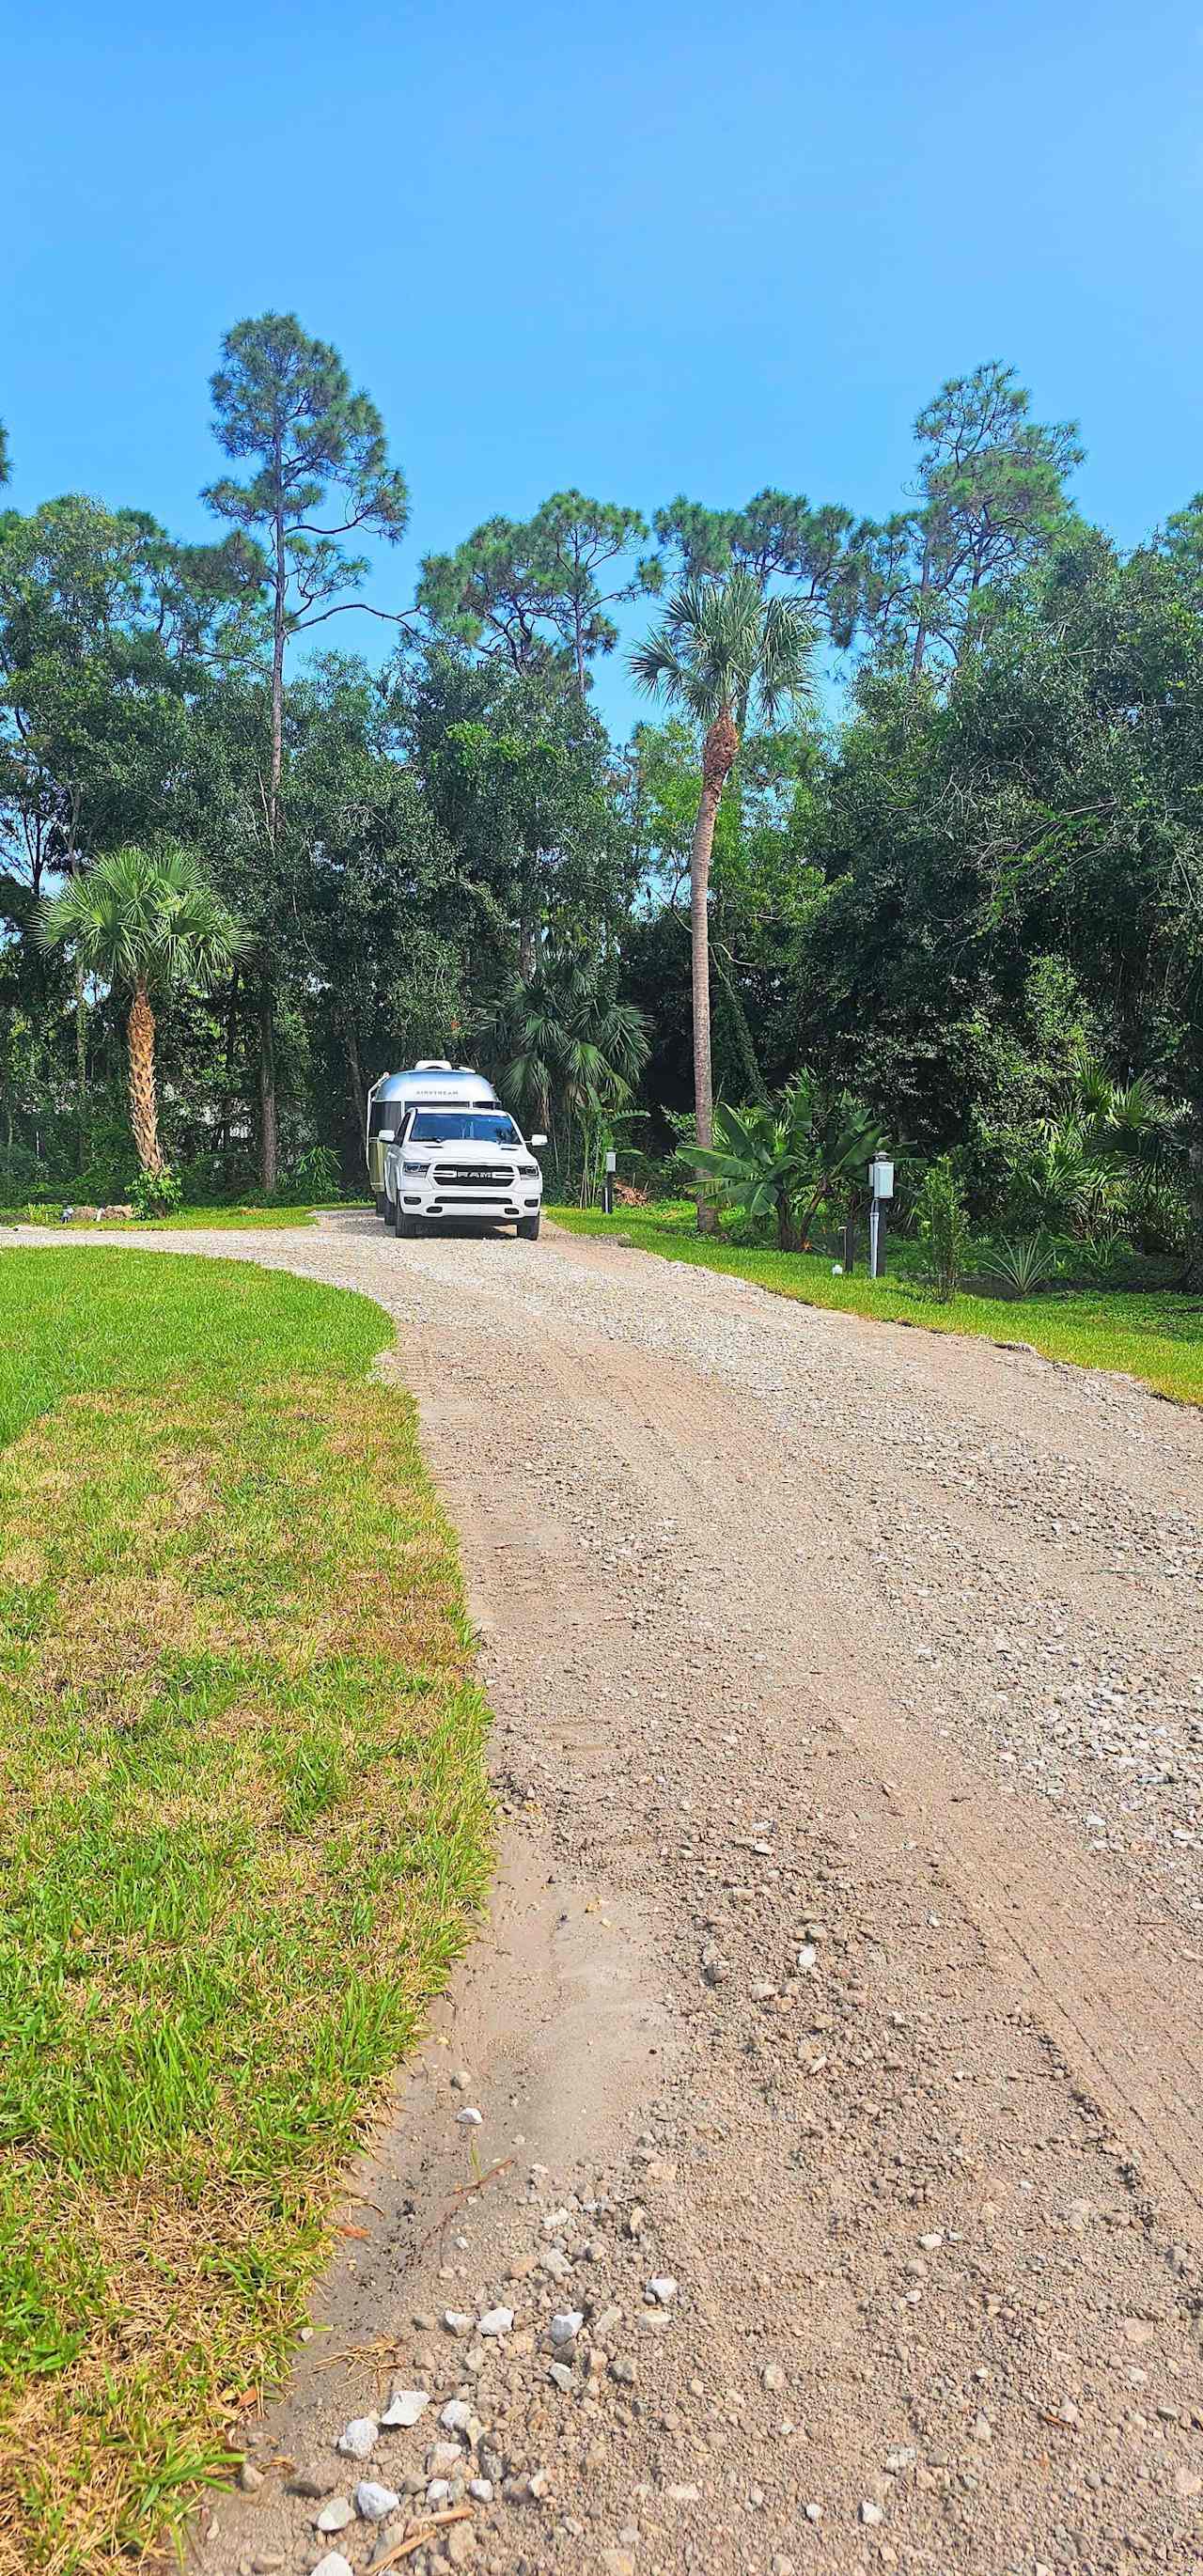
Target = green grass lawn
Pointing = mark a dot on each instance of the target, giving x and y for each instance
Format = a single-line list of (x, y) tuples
[(244, 1823), (1154, 1336), (186, 1216)]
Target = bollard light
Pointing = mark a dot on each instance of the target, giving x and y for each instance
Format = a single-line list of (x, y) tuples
[(881, 1183)]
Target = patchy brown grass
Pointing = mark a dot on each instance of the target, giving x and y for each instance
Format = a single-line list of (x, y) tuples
[(243, 1824)]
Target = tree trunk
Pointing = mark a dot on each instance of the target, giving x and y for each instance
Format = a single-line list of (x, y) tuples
[(81, 1065), (269, 1134), (528, 940), (143, 1107), (718, 755), (227, 1105), (1192, 1276), (279, 634), (269, 1123), (355, 1068), (789, 1233), (920, 646)]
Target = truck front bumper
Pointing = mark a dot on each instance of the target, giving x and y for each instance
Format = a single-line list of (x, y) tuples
[(503, 1206)]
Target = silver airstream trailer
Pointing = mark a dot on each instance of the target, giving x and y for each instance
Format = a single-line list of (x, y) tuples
[(432, 1084)]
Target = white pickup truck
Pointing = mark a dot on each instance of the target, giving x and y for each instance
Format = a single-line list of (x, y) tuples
[(460, 1157)]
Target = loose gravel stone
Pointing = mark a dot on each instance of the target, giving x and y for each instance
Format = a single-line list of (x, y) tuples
[(313, 2481), (374, 2503), (359, 2439), (405, 2408)]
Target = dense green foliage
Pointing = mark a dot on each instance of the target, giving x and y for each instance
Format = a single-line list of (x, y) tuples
[(970, 895), (784, 1163)]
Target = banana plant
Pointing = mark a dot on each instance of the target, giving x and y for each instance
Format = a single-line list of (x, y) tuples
[(782, 1161)]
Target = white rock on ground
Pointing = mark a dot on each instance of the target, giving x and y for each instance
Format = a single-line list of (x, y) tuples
[(375, 2503), (405, 2408), (358, 2441)]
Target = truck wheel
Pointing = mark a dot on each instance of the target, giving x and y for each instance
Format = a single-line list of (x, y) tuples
[(528, 1228), (382, 1205), (407, 1226)]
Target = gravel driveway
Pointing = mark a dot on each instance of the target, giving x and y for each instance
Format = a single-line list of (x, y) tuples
[(846, 1965)]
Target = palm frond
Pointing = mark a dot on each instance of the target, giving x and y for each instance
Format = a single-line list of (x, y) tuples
[(721, 645), (144, 915)]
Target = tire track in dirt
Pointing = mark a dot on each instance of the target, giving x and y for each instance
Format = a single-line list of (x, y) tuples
[(1046, 1916)]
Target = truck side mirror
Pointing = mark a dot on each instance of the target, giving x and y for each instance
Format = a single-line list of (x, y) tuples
[(387, 1134), (538, 1140)]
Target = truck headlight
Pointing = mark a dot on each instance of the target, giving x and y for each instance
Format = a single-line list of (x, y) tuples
[(529, 1171), (414, 1171)]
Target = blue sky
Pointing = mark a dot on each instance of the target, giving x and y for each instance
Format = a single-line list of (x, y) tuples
[(645, 249)]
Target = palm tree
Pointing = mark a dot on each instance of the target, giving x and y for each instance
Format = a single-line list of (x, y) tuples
[(566, 1049), (144, 920), (721, 649)]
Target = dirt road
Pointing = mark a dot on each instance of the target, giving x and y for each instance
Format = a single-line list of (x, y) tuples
[(847, 1962)]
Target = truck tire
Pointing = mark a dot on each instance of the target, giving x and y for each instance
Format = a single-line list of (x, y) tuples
[(528, 1228), (382, 1205), (407, 1226)]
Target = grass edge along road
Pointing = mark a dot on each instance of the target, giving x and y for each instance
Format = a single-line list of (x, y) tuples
[(194, 1218), (1155, 1337), (245, 1823)]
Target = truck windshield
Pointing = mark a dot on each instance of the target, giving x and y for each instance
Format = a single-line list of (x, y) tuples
[(462, 1127)]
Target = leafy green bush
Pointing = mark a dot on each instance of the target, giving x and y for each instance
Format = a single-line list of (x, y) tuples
[(1160, 1211), (782, 1162), (942, 1226), (748, 1231), (157, 1194), (311, 1176), (214, 1179)]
